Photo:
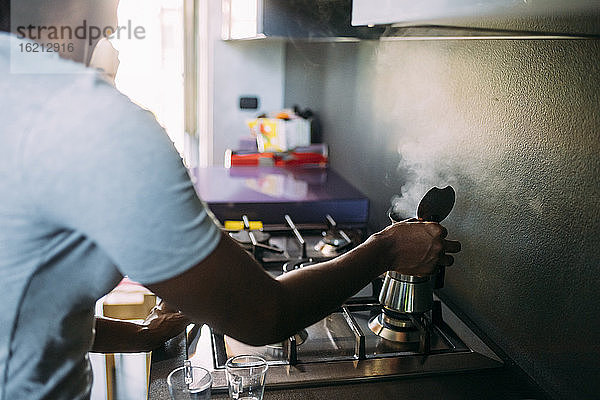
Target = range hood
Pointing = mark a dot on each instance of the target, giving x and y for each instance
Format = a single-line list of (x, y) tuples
[(513, 16), (319, 20)]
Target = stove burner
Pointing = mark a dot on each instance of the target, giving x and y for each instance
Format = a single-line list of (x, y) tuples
[(328, 249), (334, 240), (300, 338), (243, 237), (297, 264), (395, 328)]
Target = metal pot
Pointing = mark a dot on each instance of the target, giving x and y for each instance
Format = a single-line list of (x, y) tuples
[(406, 293), (412, 294)]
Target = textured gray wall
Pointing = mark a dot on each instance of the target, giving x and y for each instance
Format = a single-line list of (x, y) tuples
[(514, 126)]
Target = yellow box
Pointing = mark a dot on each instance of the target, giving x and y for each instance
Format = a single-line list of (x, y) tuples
[(274, 135)]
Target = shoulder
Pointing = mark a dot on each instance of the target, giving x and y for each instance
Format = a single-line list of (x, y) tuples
[(47, 83)]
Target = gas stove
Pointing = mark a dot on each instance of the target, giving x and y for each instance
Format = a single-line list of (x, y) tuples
[(289, 245), (360, 341)]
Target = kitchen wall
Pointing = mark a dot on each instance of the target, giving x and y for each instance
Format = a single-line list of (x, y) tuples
[(241, 68), (514, 126)]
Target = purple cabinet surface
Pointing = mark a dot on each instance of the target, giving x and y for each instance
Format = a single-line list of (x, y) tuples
[(269, 193)]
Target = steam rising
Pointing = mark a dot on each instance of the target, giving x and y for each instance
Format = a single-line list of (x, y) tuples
[(446, 133), (425, 163)]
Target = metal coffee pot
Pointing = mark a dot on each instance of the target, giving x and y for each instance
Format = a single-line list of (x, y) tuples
[(409, 294), (406, 293)]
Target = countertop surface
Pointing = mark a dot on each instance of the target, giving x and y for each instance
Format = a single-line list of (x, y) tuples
[(500, 383), (267, 194), (271, 185)]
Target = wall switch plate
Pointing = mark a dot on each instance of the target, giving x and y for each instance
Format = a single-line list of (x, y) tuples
[(248, 103)]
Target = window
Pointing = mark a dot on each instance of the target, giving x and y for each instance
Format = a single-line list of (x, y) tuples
[(150, 72)]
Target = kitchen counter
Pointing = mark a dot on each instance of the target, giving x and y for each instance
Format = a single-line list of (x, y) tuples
[(500, 383), (267, 194)]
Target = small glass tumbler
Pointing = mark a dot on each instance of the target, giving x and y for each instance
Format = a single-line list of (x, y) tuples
[(246, 377), (187, 383)]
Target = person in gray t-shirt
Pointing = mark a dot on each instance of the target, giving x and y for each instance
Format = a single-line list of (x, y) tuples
[(93, 190)]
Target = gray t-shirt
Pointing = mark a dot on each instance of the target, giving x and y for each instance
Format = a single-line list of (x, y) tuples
[(91, 189)]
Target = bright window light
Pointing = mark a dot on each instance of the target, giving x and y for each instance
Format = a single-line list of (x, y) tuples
[(150, 72)]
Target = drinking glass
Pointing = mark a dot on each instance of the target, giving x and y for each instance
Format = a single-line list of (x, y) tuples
[(187, 383), (246, 377)]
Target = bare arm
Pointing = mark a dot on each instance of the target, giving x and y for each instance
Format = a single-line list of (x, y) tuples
[(233, 294), (118, 336)]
